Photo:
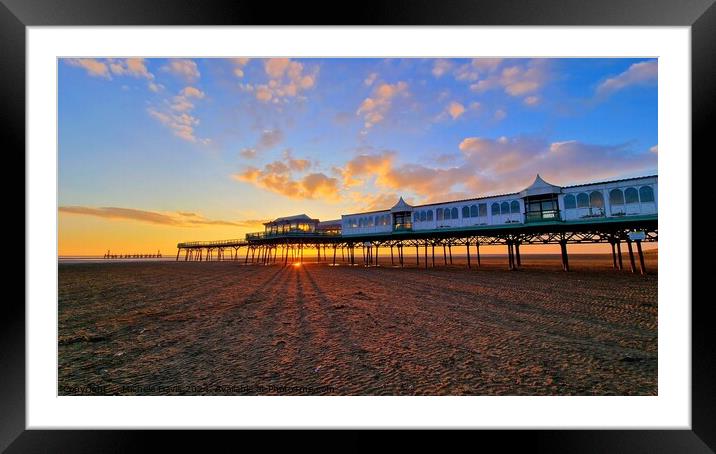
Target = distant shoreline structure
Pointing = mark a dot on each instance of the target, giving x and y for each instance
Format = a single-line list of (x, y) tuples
[(110, 256)]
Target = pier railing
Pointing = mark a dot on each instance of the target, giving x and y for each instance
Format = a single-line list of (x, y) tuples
[(218, 243), (263, 235)]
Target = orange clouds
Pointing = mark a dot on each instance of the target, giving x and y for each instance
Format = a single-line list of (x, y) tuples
[(287, 79), (93, 67), (455, 109), (106, 68), (489, 166), (177, 219), (374, 108), (278, 177)]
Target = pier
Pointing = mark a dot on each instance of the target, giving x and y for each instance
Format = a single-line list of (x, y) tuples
[(619, 213)]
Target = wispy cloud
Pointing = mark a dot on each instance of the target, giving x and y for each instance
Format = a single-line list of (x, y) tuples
[(185, 69), (176, 114), (95, 68), (642, 73), (374, 108), (175, 219)]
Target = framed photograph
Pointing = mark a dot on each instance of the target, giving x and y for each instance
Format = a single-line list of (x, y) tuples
[(417, 216)]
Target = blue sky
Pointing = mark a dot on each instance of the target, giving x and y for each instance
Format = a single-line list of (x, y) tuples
[(243, 140)]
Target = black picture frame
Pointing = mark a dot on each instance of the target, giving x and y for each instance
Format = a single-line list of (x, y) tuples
[(700, 15)]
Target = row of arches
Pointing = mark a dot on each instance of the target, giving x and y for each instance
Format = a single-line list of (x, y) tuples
[(371, 221), (467, 211), (617, 196)]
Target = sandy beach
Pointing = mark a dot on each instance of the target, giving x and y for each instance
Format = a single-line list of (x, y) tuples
[(223, 328)]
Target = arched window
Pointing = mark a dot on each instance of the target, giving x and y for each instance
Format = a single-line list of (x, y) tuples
[(439, 214), (466, 212), (570, 202), (646, 194), (515, 206), (446, 213), (453, 213), (582, 200), (596, 199), (416, 217), (473, 211), (631, 196), (505, 208), (360, 222), (482, 210), (422, 216), (616, 197), (370, 221), (495, 209), (430, 215)]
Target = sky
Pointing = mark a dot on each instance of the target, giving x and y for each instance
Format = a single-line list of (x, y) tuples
[(153, 152)]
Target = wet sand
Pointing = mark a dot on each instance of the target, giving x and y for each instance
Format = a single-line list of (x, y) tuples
[(229, 329)]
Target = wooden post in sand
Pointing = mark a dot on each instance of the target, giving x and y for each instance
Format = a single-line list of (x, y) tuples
[(631, 256), (642, 266), (517, 254)]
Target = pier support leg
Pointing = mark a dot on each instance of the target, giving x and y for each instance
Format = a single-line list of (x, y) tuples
[(565, 257), (334, 255), (614, 255), (510, 257), (377, 246), (450, 252), (517, 254), (178, 251), (444, 255), (433, 247), (642, 266), (186, 256), (631, 257), (620, 265), (477, 247), (417, 255), (426, 255), (467, 247), (392, 260)]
